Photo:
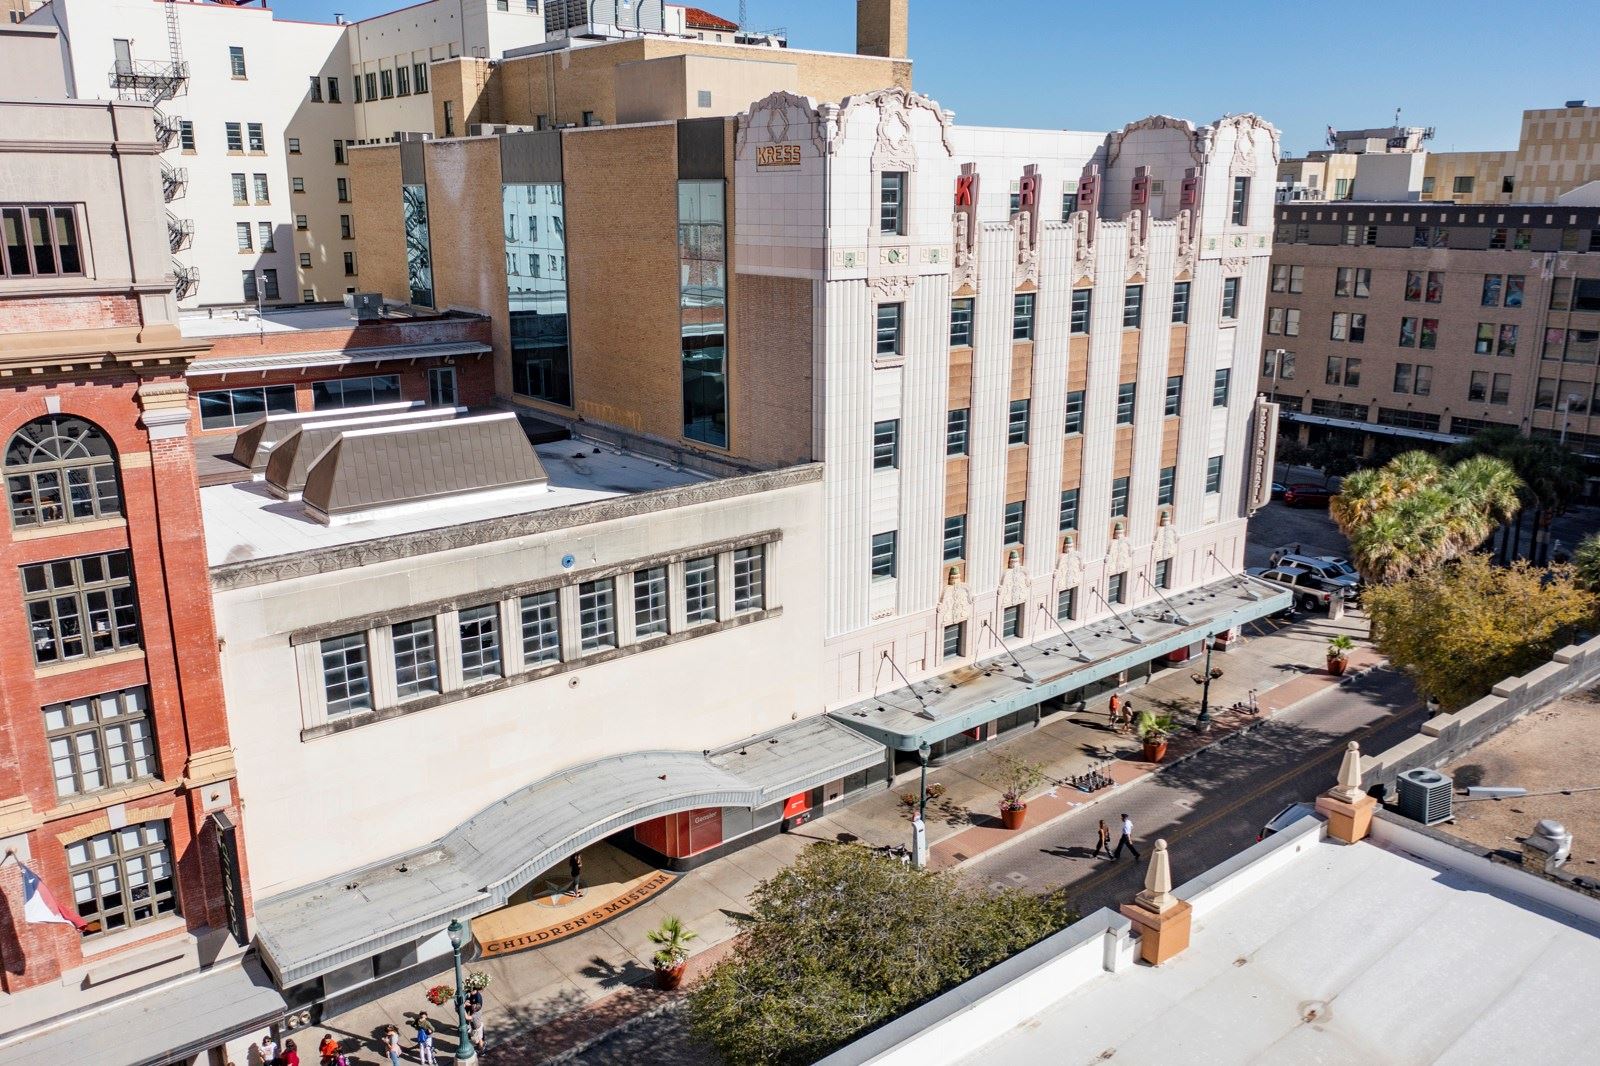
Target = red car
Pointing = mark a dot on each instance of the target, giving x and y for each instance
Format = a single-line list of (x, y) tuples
[(1307, 495)]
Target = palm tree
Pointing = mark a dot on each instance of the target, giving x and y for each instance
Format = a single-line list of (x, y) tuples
[(1552, 478), (1586, 561)]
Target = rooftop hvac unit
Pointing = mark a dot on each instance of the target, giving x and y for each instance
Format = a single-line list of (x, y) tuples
[(364, 306), (1425, 795)]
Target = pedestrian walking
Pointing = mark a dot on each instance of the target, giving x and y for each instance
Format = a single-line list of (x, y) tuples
[(1114, 712), (475, 1026), (328, 1050), (391, 1045), (575, 868), (1126, 841), (1103, 841), (1125, 724), (269, 1050), (291, 1054), (425, 1046)]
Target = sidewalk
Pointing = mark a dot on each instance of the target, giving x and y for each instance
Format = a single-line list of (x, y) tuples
[(559, 998)]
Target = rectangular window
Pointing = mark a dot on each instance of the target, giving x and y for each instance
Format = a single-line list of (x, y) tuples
[(305, 260), (294, 147), (1022, 316), (371, 78), (229, 408), (700, 590), (259, 181), (1119, 498), (1214, 474), (1508, 340), (122, 878), (1230, 298), (1163, 574), (346, 681), (1339, 326), (1335, 370), (402, 78), (1069, 509), (1413, 290), (100, 741), (954, 636), (597, 615), (1423, 383), (264, 230), (338, 153), (1117, 588), (80, 607), (1126, 394), (1166, 487), (346, 230), (886, 445), (1484, 343), (242, 234), (884, 563), (416, 658), (186, 135), (40, 239), (1069, 200), (480, 642), (1132, 306), (1491, 291), (1017, 423), (1280, 277), (541, 628), (888, 342), (355, 392), (1408, 332), (1434, 293), (333, 90), (891, 202), (1343, 281), (955, 431), (961, 323), (955, 538), (749, 579), (419, 74), (1067, 605), (1523, 240), (1478, 389), (1502, 390), (1219, 388), (1074, 422), (1081, 299), (1429, 336), (1352, 372), (1363, 283), (1241, 200), (1011, 621), (1275, 320), (1174, 398), (1516, 282), (650, 602), (316, 89), (1014, 517), (236, 61), (1402, 377), (386, 83), (1180, 302), (1358, 328), (355, 82), (235, 136), (256, 140), (343, 187), (1291, 322)]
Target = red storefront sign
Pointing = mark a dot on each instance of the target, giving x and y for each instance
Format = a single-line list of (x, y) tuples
[(797, 810)]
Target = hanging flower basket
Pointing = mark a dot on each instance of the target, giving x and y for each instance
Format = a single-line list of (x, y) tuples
[(439, 995), (476, 981)]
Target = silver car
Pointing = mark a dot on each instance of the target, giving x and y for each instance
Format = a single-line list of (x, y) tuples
[(1311, 592)]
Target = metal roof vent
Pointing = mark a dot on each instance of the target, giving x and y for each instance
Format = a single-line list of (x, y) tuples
[(1425, 795)]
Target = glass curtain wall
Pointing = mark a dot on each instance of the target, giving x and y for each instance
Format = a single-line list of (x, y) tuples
[(536, 279), (419, 248), (703, 309)]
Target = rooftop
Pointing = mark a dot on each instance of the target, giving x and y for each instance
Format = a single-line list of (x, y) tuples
[(246, 321)]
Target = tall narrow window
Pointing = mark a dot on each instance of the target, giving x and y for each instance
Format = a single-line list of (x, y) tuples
[(480, 642), (316, 89), (1117, 588), (1022, 316), (541, 628), (597, 615), (885, 562), (703, 310), (1074, 420), (419, 74), (402, 77), (1230, 298), (256, 140), (1241, 200), (1017, 423), (235, 136), (1166, 487), (700, 590), (236, 61), (346, 681), (961, 322), (1011, 621), (1163, 577), (1174, 397), (1219, 388), (1214, 474), (1081, 300), (888, 331), (242, 235), (891, 202), (540, 351), (954, 636), (1069, 509), (386, 83), (1132, 306), (750, 579), (1067, 605), (1015, 521), (650, 602), (1180, 302), (1126, 394), (886, 445), (1119, 497), (186, 135), (416, 658), (955, 538), (333, 90), (955, 431)]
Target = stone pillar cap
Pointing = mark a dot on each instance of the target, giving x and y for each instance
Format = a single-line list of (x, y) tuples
[(1157, 895)]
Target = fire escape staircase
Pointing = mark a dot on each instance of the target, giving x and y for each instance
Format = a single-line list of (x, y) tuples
[(180, 232)]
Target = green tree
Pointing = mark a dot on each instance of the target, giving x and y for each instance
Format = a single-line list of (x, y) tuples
[(1459, 630), (1552, 478), (1586, 562), (843, 940)]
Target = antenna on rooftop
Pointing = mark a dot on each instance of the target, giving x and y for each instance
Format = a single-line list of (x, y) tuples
[(743, 14)]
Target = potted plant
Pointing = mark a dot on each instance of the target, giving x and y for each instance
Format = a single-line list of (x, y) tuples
[(439, 995), (1339, 654), (1153, 730), (672, 951), (1015, 778)]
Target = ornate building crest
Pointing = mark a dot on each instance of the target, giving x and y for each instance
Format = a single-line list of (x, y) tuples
[(891, 288), (1119, 557), (783, 115), (1025, 227), (1014, 582), (1069, 568), (895, 148), (1138, 245), (956, 603), (1085, 222), (1166, 545)]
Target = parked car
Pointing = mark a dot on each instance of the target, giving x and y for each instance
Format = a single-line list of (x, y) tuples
[(1329, 568), (1278, 489), (1311, 592), (1304, 495), (1284, 819)]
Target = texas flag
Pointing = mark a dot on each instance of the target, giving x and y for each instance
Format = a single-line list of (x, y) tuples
[(38, 905)]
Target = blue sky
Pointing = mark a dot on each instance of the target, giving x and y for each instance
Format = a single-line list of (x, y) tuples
[(1468, 68)]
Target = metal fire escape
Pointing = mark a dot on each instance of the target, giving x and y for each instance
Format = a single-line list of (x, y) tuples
[(180, 232)]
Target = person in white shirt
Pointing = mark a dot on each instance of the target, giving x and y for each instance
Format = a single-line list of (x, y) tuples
[(1126, 841), (269, 1050)]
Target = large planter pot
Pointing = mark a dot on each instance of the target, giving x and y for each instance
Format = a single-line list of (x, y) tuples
[(669, 977), (1336, 666), (1013, 817), (1155, 750)]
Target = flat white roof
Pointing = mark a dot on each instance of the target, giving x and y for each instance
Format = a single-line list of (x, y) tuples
[(244, 522), (234, 321)]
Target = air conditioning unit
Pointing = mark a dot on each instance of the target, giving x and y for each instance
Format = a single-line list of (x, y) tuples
[(364, 306), (1425, 795)]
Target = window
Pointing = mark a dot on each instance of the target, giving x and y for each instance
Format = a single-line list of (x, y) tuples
[(80, 607), (1117, 588), (954, 637), (884, 562), (1430, 334), (1081, 310), (123, 877), (1523, 240), (1435, 290), (1125, 397), (386, 83), (1275, 320), (1022, 316), (305, 260), (541, 626), (1413, 290), (1230, 297), (889, 330), (355, 392), (961, 323), (419, 74), (1285, 360), (1241, 200), (700, 590), (1074, 420), (264, 230), (1335, 370), (1132, 306), (1069, 509), (60, 469), (1516, 282), (1478, 390), (301, 222), (1492, 284), (1280, 277), (1174, 395), (1067, 605), (1011, 621), (346, 230), (100, 741), (371, 78), (886, 445), (1163, 574), (955, 431), (1119, 498), (1484, 344), (257, 142), (1069, 200), (1402, 377), (346, 681), (1508, 340), (597, 619), (1352, 372), (294, 148), (1214, 474), (349, 264), (1544, 397), (333, 90), (235, 136), (236, 61), (1423, 383), (343, 186), (186, 135), (1166, 487), (1219, 388), (338, 152), (650, 602), (1408, 333), (355, 81), (703, 97), (241, 232), (226, 408), (479, 628), (1180, 302), (1017, 423), (955, 538), (749, 579), (416, 658), (259, 181), (1501, 394), (1014, 517), (891, 202), (316, 89), (1291, 322)]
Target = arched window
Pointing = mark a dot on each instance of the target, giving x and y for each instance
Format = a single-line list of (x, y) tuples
[(60, 469)]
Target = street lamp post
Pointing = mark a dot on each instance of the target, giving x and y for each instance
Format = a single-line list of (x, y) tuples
[(923, 751), (465, 1052), (1204, 718), (919, 825)]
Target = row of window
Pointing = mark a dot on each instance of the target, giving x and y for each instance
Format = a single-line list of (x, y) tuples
[(225, 408), (347, 660), (893, 192), (40, 240), (1575, 397), (387, 83)]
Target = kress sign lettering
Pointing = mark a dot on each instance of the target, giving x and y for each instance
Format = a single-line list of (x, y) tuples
[(777, 155)]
